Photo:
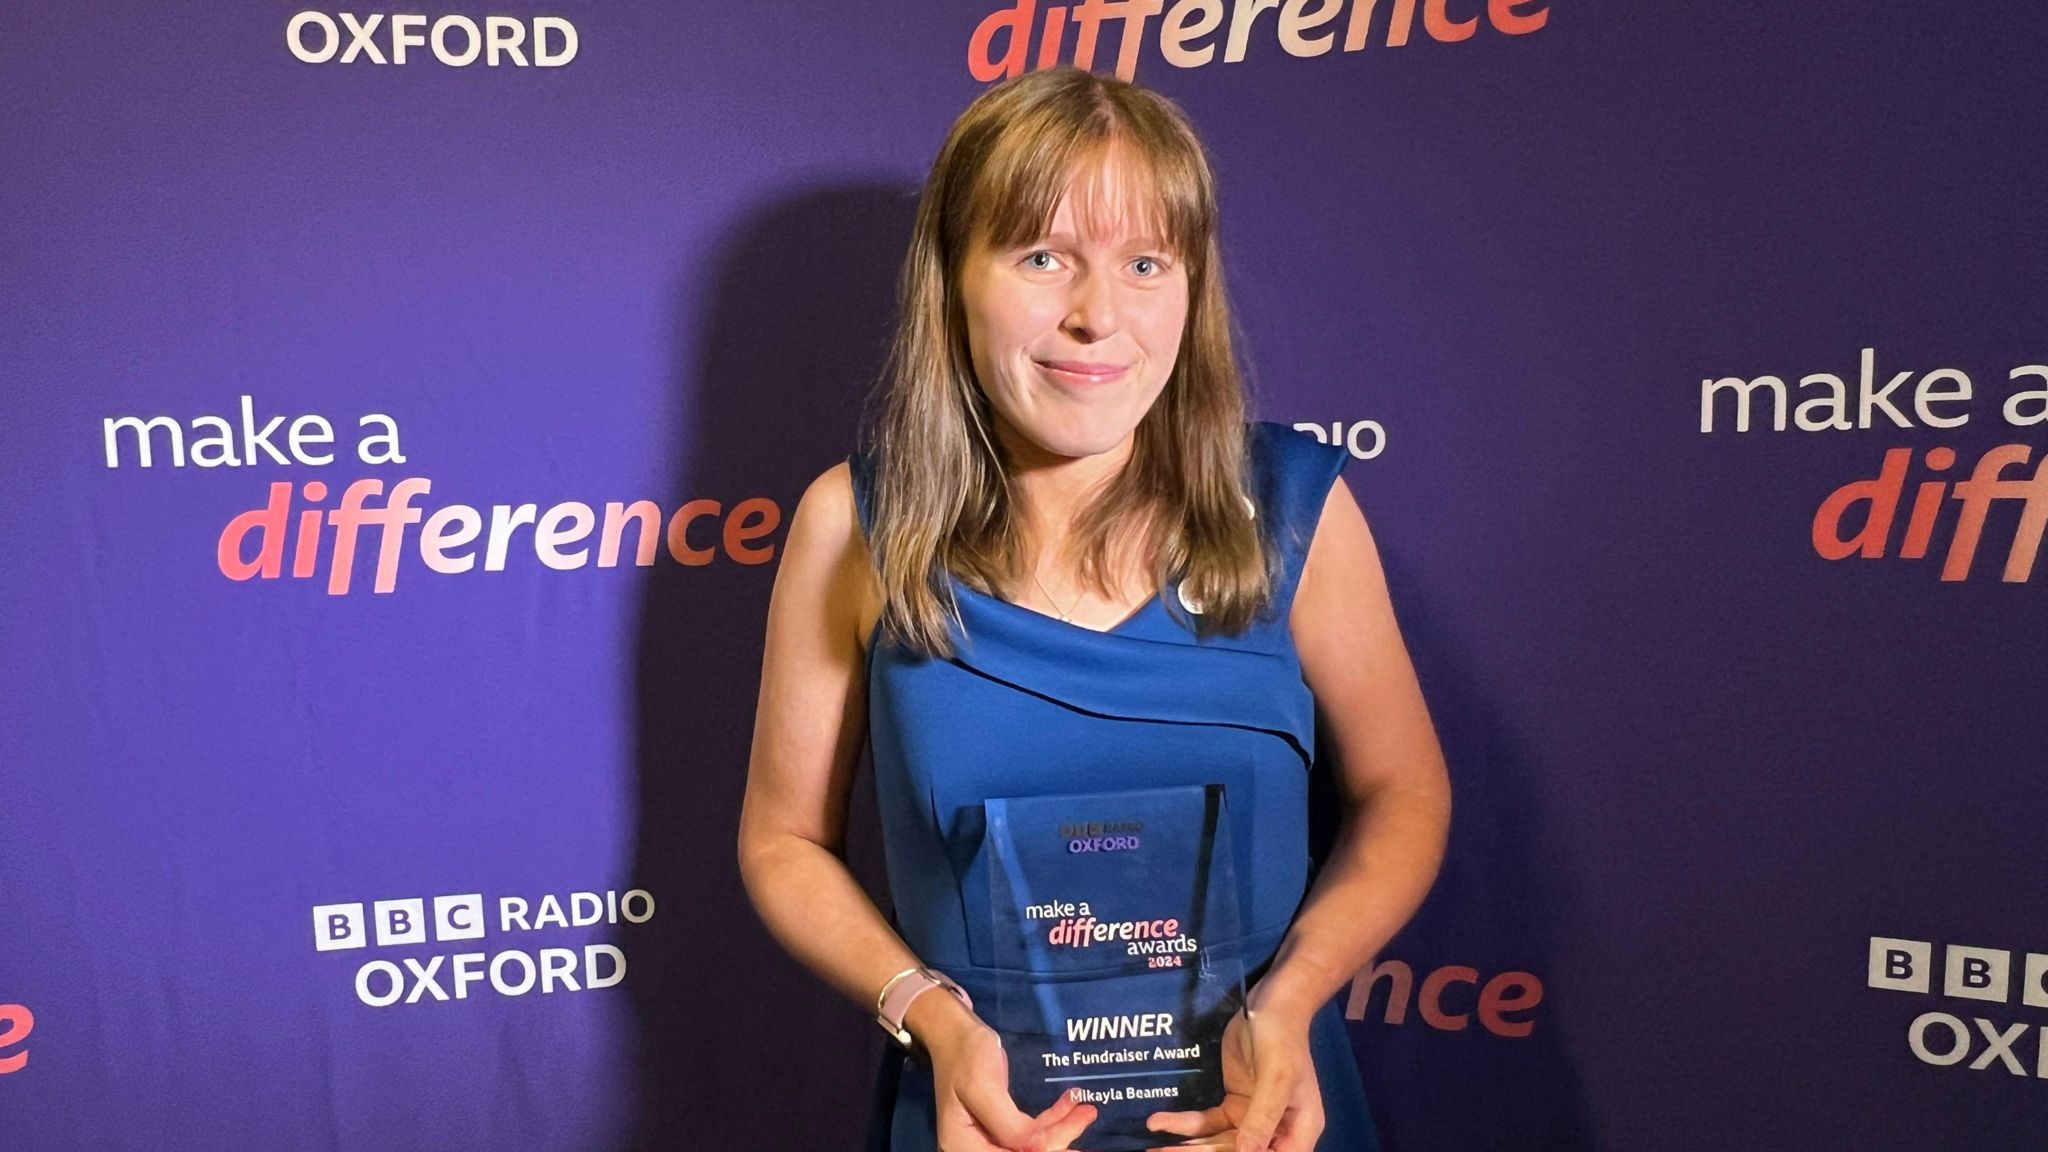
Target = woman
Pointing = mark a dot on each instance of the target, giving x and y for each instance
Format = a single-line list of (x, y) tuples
[(1066, 563)]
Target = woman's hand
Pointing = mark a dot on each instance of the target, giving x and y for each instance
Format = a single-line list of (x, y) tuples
[(1271, 1101), (971, 1094)]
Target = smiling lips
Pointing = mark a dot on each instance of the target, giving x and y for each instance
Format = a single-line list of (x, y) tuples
[(1082, 371)]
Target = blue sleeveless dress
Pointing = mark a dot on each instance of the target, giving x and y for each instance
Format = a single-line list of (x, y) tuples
[(1031, 705)]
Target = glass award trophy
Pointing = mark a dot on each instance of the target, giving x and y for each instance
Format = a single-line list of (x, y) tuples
[(1116, 930)]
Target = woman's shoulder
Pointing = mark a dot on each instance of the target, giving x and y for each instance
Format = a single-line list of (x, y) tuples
[(826, 517), (1293, 471), (825, 553), (1289, 448)]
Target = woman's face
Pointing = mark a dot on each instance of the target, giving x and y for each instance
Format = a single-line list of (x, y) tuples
[(1074, 334)]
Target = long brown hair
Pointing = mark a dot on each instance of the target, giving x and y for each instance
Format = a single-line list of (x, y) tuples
[(943, 501)]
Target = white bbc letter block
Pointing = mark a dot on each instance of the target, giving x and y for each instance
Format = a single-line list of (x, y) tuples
[(401, 921), (1976, 973), (459, 917), (337, 926), (1900, 965), (2034, 992)]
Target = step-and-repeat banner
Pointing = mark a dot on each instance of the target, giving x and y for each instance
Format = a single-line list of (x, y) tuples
[(404, 409)]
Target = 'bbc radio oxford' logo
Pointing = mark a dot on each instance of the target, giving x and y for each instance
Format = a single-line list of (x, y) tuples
[(381, 982), (1968, 973)]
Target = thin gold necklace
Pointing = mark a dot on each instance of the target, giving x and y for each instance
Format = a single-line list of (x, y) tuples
[(1065, 617)]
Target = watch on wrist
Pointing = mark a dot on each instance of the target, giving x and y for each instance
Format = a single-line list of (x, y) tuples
[(893, 1004)]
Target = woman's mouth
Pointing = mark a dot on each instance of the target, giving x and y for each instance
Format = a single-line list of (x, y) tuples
[(1082, 371)]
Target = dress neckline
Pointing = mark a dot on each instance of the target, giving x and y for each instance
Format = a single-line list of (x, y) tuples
[(1155, 600)]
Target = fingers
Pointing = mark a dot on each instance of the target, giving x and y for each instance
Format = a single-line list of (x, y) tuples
[(1213, 1142), (1058, 1109), (1303, 1124), (989, 1103), (1271, 1091), (1205, 1122), (1298, 1133), (957, 1133), (1065, 1120)]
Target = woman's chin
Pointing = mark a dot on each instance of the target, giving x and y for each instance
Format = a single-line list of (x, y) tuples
[(1078, 444)]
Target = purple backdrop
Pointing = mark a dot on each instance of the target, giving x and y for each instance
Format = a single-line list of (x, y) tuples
[(1748, 843)]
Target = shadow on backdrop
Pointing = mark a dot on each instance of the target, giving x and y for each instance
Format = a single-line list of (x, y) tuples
[(739, 1046), (1425, 1083)]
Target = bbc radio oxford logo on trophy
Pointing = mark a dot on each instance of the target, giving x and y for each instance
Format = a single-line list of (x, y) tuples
[(452, 975)]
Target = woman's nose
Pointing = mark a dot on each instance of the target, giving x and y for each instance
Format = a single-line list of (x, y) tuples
[(1091, 313)]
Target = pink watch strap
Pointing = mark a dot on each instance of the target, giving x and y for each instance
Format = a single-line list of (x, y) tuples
[(906, 987)]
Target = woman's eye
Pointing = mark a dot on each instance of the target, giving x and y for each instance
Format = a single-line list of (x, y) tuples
[(1149, 266), (1033, 258)]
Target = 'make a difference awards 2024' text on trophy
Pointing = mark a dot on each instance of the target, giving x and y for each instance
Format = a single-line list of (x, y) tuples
[(1116, 933)]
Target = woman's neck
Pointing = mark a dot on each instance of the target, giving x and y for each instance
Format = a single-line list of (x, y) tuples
[(1051, 487)]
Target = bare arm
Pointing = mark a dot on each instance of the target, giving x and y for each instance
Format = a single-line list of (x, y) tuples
[(1397, 811), (1390, 768), (809, 724)]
